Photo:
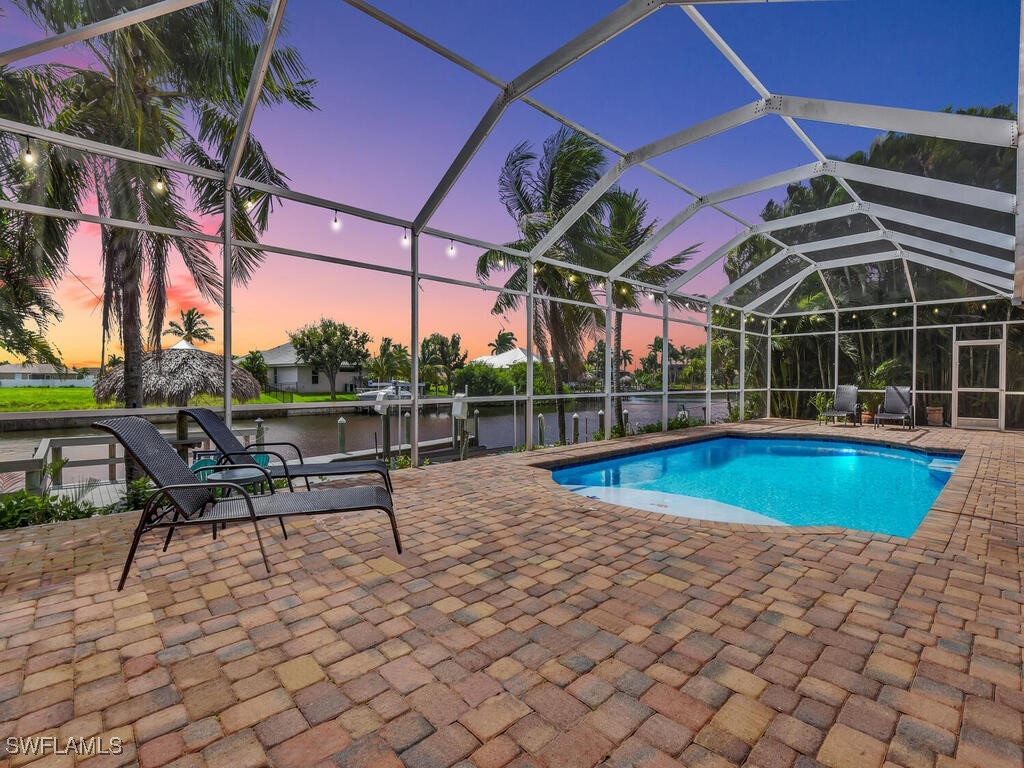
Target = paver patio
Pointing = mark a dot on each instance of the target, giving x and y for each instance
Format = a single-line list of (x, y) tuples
[(528, 626)]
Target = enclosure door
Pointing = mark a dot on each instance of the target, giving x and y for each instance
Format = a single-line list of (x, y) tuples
[(979, 384)]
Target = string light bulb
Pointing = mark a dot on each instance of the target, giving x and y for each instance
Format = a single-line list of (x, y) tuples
[(249, 204), (984, 307), (159, 183), (451, 250), (894, 313), (405, 238), (935, 311), (27, 157), (336, 222)]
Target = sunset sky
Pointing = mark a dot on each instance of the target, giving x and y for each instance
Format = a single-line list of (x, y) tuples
[(392, 116)]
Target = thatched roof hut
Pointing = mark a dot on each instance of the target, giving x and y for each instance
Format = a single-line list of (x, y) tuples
[(174, 376)]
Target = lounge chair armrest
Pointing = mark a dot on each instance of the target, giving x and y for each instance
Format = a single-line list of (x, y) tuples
[(293, 446), (248, 455)]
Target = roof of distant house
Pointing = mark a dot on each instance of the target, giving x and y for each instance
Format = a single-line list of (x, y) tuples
[(506, 359), (36, 368), (284, 356)]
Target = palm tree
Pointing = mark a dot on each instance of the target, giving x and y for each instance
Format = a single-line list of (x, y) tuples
[(392, 361), (626, 357), (169, 87), (193, 327), (33, 249), (446, 354), (537, 191), (505, 341), (256, 364), (628, 228)]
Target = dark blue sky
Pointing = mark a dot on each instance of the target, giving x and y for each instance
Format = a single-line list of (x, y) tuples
[(392, 116)]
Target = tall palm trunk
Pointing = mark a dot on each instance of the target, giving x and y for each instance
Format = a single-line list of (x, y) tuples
[(616, 365)]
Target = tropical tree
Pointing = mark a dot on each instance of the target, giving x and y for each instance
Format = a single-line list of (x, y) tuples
[(505, 341), (113, 360), (256, 364), (392, 361), (628, 228), (430, 366), (329, 346), (537, 190), (33, 249), (192, 328), (169, 87), (446, 354)]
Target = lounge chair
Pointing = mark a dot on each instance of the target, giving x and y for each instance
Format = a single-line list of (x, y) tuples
[(844, 406), (180, 499), (233, 452), (896, 407)]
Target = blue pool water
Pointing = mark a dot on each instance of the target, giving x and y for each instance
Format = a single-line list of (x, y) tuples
[(768, 481)]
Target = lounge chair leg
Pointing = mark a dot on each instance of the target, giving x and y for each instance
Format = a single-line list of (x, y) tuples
[(259, 540), (283, 529), (394, 529), (167, 541), (131, 552), (387, 482)]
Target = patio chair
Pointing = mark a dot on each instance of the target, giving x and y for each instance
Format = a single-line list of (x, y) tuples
[(180, 499), (234, 452), (896, 407), (844, 406)]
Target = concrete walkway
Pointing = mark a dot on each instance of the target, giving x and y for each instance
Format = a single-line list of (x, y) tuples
[(527, 626)]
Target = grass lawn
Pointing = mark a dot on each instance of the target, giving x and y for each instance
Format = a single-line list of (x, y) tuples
[(80, 399)]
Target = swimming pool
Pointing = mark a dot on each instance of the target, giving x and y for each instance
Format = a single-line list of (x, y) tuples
[(773, 481)]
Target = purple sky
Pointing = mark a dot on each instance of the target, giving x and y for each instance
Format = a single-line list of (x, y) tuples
[(392, 116)]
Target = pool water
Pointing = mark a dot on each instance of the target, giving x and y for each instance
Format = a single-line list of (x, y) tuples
[(773, 481)]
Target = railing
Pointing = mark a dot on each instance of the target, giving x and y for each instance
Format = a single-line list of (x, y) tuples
[(47, 464)]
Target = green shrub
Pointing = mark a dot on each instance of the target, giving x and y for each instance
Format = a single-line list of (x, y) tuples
[(482, 380), (23, 508)]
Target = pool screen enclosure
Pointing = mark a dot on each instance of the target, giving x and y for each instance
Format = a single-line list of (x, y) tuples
[(935, 258)]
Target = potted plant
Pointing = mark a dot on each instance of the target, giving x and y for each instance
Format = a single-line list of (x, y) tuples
[(934, 412)]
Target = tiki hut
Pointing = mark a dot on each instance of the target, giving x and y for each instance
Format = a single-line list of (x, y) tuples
[(174, 376)]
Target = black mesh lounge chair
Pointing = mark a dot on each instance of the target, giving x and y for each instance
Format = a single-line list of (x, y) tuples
[(844, 406), (180, 499), (896, 407), (233, 452)]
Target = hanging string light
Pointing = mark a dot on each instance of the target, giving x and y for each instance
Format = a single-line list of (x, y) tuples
[(405, 238), (27, 157), (159, 183), (336, 222), (451, 249)]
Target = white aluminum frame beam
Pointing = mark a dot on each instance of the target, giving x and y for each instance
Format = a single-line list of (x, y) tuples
[(691, 135), (930, 187), (941, 125), (592, 38), (114, 23), (921, 185), (254, 89), (792, 282), (105, 150), (938, 252), (1018, 275)]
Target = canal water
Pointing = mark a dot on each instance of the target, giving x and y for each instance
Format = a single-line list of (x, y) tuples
[(317, 435)]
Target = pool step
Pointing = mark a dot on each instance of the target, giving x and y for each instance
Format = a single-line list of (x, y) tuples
[(942, 466)]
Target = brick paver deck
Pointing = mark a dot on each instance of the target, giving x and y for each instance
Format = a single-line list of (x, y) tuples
[(527, 626)]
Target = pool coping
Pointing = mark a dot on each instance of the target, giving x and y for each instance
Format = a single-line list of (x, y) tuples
[(935, 528)]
